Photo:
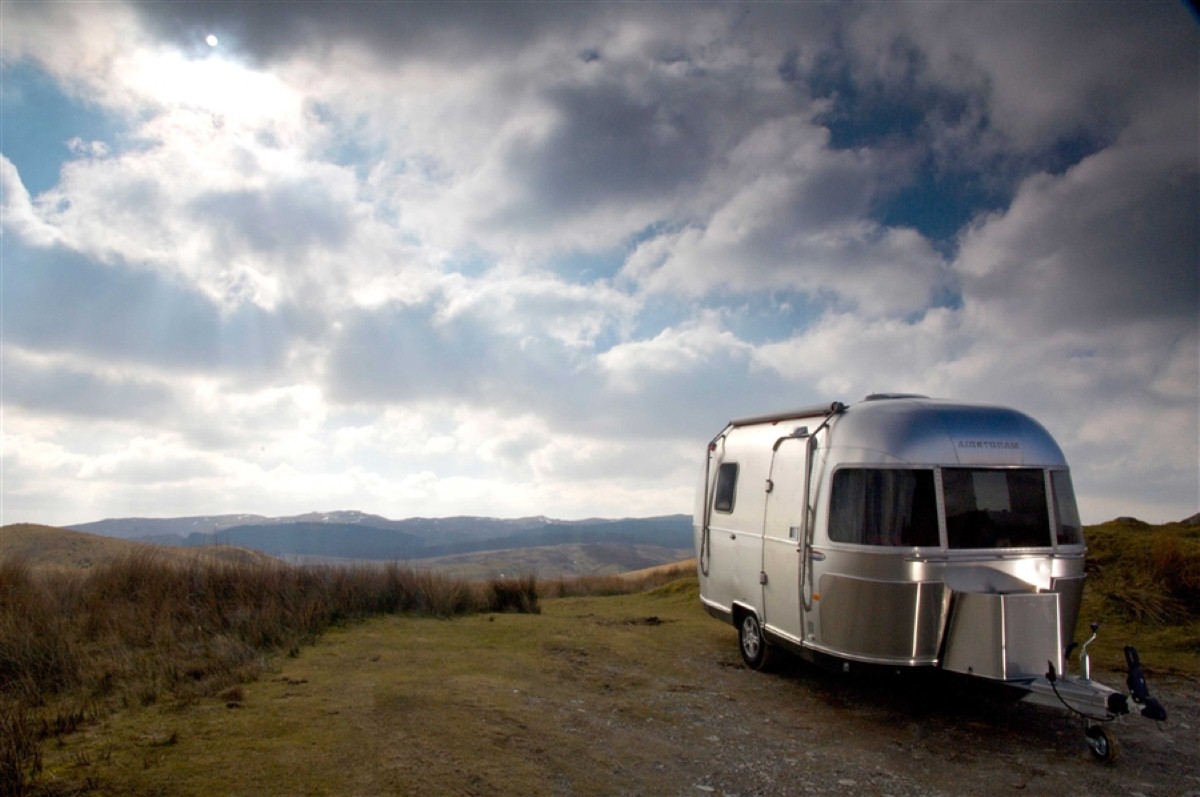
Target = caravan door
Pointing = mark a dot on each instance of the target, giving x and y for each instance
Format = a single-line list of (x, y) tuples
[(783, 538)]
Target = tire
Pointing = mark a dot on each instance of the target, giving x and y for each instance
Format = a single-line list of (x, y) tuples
[(756, 651), (1102, 744)]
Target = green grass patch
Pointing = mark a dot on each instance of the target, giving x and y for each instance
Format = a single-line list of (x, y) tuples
[(1143, 587), (499, 703), (145, 629)]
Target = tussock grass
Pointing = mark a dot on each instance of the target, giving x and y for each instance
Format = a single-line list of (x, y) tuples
[(1143, 587), (143, 628), (515, 594), (1147, 573), (20, 751)]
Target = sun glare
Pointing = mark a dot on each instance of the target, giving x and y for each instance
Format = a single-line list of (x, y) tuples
[(212, 40), (215, 84)]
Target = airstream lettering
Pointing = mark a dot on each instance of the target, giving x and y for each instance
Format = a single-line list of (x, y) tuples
[(908, 532)]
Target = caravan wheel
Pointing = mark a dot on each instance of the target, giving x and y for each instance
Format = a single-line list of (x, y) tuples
[(1102, 744), (755, 650)]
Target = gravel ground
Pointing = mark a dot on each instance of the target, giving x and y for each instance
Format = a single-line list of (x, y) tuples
[(802, 730), (706, 724)]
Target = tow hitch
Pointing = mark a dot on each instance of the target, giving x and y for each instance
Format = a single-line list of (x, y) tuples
[(1096, 703), (1136, 681)]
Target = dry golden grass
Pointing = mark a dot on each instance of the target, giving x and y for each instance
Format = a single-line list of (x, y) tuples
[(685, 567), (76, 645), (1143, 587), (480, 704)]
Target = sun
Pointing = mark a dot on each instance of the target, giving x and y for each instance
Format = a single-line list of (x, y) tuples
[(212, 40)]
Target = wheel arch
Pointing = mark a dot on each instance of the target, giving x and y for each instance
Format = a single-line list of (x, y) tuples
[(739, 610)]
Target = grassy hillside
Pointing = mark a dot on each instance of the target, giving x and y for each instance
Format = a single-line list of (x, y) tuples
[(78, 644), (1143, 587), (177, 652), (46, 546), (634, 694)]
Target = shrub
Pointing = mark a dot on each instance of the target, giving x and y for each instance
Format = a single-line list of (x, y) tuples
[(1145, 573), (514, 595), (20, 754)]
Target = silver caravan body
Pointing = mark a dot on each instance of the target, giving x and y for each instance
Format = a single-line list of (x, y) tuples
[(900, 531)]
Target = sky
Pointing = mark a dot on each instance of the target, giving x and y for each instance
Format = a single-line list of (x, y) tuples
[(514, 259)]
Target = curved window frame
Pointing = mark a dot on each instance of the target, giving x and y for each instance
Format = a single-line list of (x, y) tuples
[(931, 509), (980, 521), (1051, 483), (1062, 496), (725, 489)]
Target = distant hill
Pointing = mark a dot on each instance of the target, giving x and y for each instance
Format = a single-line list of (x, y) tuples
[(446, 529), (556, 561), (47, 546), (347, 541), (132, 528), (356, 535)]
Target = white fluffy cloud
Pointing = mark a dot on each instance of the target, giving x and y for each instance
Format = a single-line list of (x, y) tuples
[(526, 259)]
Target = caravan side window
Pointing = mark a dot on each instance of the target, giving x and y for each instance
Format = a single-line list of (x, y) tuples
[(726, 487), (882, 506), (1070, 530)]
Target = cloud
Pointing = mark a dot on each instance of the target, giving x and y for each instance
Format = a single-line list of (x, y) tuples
[(20, 218), (59, 301), (284, 222), (1036, 70), (54, 388), (526, 258), (1112, 242)]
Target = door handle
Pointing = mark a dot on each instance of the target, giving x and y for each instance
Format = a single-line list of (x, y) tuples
[(817, 556)]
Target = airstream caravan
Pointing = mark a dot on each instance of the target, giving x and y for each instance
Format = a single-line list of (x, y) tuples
[(908, 532)]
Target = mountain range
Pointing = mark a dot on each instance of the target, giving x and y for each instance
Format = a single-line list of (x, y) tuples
[(358, 535)]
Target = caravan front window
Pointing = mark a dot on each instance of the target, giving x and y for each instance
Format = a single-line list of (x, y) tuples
[(1070, 530), (879, 506), (996, 508)]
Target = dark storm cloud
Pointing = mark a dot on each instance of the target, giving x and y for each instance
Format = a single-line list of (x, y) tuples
[(612, 147), (1115, 241), (58, 301)]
